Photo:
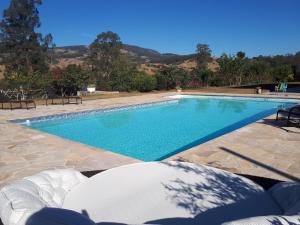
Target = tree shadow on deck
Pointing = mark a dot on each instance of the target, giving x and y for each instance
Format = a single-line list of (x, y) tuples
[(260, 164)]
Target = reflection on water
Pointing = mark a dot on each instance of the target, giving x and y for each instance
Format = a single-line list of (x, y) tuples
[(234, 106), (116, 120), (203, 105)]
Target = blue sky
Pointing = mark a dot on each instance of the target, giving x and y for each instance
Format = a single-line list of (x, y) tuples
[(266, 27)]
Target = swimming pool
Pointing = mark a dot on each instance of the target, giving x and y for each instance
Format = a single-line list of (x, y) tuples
[(156, 131)]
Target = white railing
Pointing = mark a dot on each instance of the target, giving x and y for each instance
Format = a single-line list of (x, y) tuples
[(13, 94)]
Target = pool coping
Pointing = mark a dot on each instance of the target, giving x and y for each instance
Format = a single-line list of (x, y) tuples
[(245, 96), (23, 148), (86, 112), (166, 100)]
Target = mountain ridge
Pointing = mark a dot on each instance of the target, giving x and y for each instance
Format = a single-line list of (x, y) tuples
[(135, 53)]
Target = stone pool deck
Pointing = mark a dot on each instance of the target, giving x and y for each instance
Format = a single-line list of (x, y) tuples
[(265, 148)]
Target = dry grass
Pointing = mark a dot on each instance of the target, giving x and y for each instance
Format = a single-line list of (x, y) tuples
[(62, 63), (187, 65)]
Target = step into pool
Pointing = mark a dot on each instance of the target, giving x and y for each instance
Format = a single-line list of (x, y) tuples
[(157, 131)]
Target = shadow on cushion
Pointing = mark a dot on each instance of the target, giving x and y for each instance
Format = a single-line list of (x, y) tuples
[(58, 216)]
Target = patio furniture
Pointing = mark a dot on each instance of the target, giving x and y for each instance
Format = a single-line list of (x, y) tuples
[(290, 114), (154, 193), (52, 96), (283, 87), (73, 99), (63, 99), (16, 104), (21, 199)]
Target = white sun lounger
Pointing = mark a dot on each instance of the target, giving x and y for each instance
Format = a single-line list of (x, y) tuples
[(154, 193)]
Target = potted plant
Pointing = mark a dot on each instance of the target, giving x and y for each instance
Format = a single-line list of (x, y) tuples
[(91, 88)]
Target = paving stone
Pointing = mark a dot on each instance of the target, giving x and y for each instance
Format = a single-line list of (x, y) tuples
[(255, 149)]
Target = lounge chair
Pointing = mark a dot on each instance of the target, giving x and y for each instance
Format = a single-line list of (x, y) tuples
[(290, 114), (154, 193), (16, 104)]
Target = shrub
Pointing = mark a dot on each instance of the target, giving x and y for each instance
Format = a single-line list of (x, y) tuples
[(283, 73), (144, 83), (122, 75), (69, 80), (92, 85)]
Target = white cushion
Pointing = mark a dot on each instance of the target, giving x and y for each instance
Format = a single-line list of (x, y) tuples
[(267, 220), (22, 198), (287, 196)]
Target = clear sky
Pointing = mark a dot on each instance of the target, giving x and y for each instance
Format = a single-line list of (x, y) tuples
[(257, 27)]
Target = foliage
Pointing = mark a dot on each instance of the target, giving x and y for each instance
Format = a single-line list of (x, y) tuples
[(232, 69), (122, 75), (240, 64), (208, 77), (202, 75), (92, 85), (144, 82), (29, 81), (203, 56), (170, 77), (283, 73), (293, 60), (241, 55), (125, 77), (227, 68), (69, 80), (257, 72), (103, 53), (237, 70), (24, 49)]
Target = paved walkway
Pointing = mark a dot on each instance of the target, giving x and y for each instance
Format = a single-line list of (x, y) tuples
[(266, 148), (262, 148)]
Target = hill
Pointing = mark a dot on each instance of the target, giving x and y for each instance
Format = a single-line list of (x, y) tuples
[(147, 59), (135, 53)]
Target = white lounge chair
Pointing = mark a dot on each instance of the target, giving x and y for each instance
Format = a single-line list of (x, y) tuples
[(153, 193)]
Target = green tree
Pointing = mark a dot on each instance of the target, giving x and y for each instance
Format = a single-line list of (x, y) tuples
[(103, 52), (241, 55), (170, 77), (283, 73), (203, 56), (232, 69), (257, 71), (201, 74), (144, 82), (69, 80), (122, 74), (240, 64), (24, 49), (226, 69), (208, 77)]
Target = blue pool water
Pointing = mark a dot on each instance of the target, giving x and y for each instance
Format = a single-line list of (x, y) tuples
[(158, 131)]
